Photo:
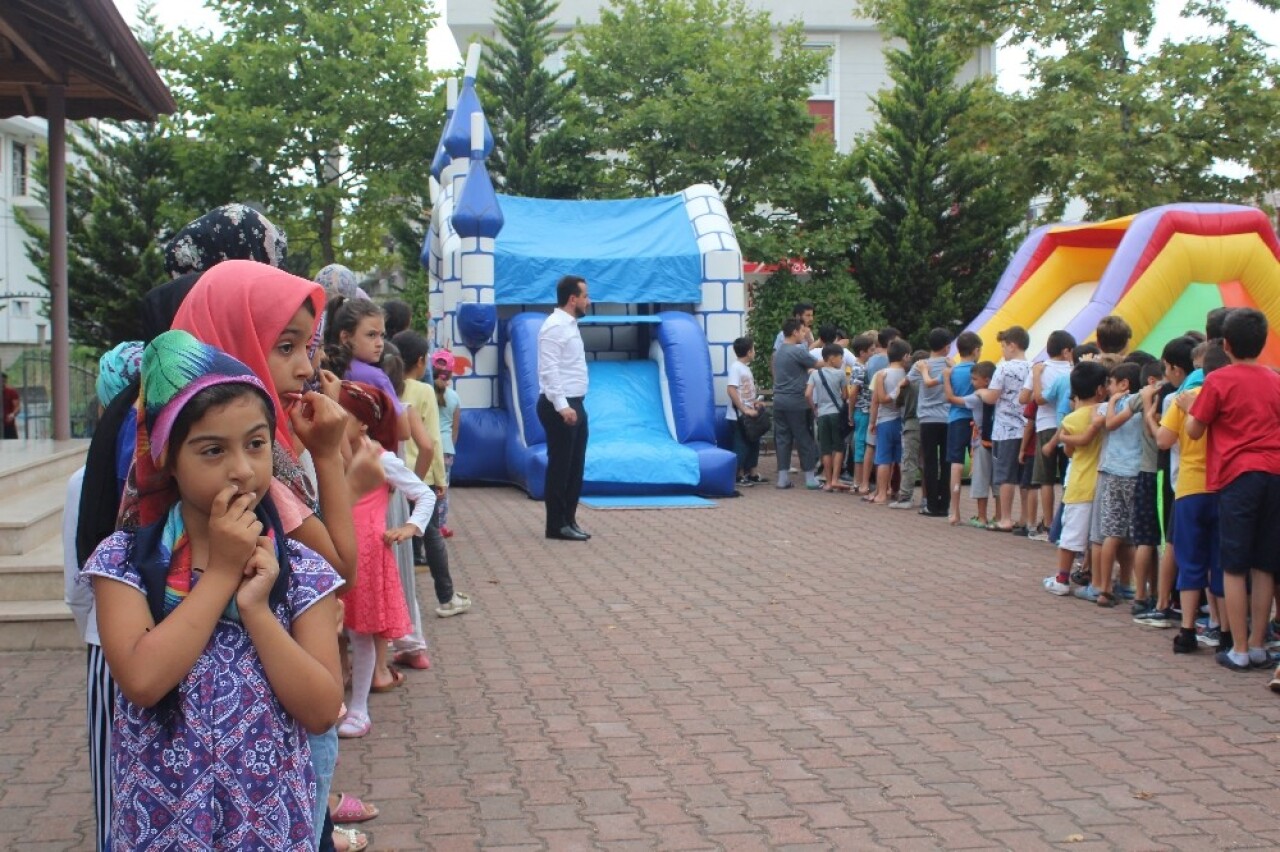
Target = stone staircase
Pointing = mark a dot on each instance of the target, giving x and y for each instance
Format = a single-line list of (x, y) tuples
[(33, 487)]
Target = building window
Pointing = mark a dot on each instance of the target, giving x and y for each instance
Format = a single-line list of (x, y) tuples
[(19, 169), (21, 309), (824, 87)]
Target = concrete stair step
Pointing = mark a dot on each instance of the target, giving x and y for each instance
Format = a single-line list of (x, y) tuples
[(31, 516), (37, 626), (33, 576), (27, 463)]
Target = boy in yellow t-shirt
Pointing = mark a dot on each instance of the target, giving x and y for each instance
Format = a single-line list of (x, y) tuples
[(1195, 513), (1081, 435), (430, 548)]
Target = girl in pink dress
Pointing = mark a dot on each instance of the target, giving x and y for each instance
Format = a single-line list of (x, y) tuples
[(375, 608)]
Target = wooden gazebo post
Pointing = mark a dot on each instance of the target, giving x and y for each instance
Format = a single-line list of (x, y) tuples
[(60, 354)]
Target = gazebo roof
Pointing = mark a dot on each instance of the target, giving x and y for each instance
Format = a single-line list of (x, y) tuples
[(83, 45)]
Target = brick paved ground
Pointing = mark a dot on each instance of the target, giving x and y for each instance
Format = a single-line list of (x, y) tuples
[(788, 670)]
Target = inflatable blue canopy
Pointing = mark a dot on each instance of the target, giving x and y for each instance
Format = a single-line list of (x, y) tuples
[(630, 251)]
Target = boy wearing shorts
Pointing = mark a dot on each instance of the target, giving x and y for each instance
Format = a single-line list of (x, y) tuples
[(1195, 509), (1238, 408), (1006, 386), (1047, 470), (960, 418), (826, 393), (1081, 435)]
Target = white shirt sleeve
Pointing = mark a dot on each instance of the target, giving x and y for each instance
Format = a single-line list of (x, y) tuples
[(418, 492), (78, 595), (551, 343)]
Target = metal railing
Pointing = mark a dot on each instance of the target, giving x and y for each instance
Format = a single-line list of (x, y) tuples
[(32, 376)]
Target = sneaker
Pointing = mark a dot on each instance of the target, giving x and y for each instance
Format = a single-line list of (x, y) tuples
[(1019, 530), (901, 504), (1080, 577), (1122, 592), (1185, 643), (446, 532), (1141, 608), (1160, 619), (1224, 659), (1041, 534), (1275, 681), (745, 482), (756, 478), (1210, 637), (1087, 593), (456, 605), (1053, 587)]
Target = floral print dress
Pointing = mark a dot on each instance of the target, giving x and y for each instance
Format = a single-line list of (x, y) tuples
[(230, 768)]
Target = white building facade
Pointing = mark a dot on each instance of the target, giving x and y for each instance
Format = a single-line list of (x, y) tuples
[(22, 301), (842, 99)]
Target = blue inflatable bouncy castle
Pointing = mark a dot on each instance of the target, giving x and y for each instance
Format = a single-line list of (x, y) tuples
[(668, 301)]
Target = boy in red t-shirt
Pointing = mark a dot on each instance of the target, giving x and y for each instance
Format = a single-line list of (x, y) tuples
[(1239, 408)]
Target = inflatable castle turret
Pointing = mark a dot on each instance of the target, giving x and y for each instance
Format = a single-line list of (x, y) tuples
[(668, 300)]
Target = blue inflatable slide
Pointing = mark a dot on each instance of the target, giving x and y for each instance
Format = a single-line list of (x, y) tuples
[(652, 420)]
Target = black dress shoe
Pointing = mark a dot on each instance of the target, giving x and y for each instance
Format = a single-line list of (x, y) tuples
[(567, 533), (579, 530)]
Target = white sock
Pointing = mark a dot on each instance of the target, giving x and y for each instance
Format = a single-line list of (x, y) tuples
[(363, 659)]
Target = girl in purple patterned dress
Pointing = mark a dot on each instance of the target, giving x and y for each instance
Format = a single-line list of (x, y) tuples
[(217, 628)]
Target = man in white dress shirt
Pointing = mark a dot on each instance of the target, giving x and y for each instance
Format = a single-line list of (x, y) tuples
[(562, 386)]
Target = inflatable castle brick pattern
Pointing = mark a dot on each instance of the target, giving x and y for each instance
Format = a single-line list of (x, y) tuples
[(722, 310)]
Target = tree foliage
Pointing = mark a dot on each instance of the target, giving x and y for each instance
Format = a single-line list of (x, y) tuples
[(1126, 124), (322, 112), (943, 212), (677, 92), (120, 198), (537, 154), (837, 298)]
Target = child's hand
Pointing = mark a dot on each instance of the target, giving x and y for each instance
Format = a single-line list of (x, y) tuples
[(946, 371), (1037, 368), (404, 532), (364, 472), (330, 384), (233, 530), (320, 423), (260, 574), (440, 491), (1184, 401), (1147, 392), (871, 428), (1050, 448)]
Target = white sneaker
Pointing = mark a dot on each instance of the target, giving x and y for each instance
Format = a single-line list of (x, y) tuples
[(902, 504), (457, 605), (1053, 587)]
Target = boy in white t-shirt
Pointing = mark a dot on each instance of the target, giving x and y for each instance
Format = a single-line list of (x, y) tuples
[(743, 403), (1006, 386)]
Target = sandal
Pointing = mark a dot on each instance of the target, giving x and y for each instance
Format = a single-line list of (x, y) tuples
[(351, 809), (412, 660), (349, 840), (1106, 600), (397, 678), (354, 727)]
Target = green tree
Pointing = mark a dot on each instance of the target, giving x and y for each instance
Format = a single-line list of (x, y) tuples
[(1125, 124), (677, 92), (122, 198), (940, 230), (537, 154), (322, 112), (837, 298)]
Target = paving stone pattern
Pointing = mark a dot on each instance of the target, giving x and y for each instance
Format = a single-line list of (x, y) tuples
[(789, 670)]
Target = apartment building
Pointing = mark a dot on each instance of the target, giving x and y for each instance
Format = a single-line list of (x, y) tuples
[(854, 47)]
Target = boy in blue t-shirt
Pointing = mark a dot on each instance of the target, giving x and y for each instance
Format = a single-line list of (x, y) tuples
[(959, 417)]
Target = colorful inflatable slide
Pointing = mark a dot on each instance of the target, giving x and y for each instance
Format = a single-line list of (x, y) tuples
[(1162, 270)]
